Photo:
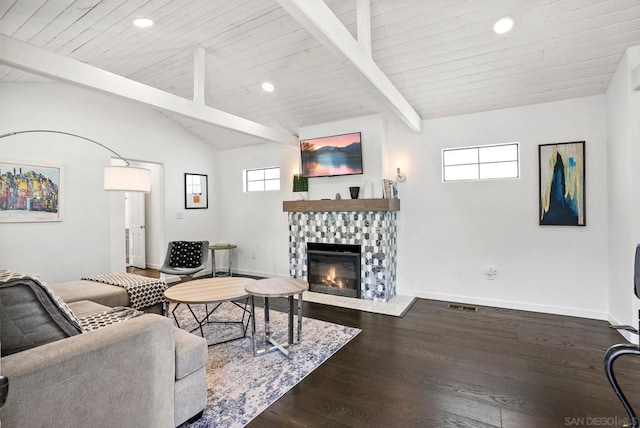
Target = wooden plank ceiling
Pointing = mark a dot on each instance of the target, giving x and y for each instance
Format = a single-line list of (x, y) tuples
[(441, 55)]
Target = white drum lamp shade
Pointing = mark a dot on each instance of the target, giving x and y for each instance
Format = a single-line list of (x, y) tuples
[(127, 179)]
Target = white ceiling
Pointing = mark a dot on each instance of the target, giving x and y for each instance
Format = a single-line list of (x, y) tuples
[(440, 54)]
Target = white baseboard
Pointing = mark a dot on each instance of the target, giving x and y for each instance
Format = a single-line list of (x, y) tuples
[(259, 273), (556, 310), (629, 337)]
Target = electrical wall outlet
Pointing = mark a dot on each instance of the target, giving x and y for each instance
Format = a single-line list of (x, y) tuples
[(253, 255), (491, 272)]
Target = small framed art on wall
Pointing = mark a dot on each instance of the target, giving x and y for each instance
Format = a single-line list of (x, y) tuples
[(196, 191)]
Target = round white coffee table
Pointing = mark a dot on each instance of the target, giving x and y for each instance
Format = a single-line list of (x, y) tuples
[(212, 291)]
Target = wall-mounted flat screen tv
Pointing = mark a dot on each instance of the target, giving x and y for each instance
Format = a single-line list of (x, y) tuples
[(330, 156)]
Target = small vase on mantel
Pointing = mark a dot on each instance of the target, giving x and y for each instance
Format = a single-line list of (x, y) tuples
[(301, 187)]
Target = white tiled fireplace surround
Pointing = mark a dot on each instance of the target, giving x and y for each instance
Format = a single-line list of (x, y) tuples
[(374, 231)]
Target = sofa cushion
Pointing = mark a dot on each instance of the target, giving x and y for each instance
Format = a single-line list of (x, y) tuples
[(191, 352), (84, 308), (31, 314), (104, 294), (186, 254)]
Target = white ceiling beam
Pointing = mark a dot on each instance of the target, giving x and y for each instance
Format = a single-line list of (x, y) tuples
[(38, 61), (198, 75), (363, 24), (316, 17)]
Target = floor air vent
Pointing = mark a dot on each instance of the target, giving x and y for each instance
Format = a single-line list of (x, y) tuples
[(462, 307)]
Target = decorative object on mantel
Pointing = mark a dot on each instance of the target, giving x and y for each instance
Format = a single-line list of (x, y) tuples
[(300, 186), (561, 173), (354, 191), (400, 177), (338, 196), (389, 189)]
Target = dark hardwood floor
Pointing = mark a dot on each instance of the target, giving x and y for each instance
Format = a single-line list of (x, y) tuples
[(151, 273), (439, 367)]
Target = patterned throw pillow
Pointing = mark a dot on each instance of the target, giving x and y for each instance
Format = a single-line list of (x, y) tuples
[(186, 254), (32, 314)]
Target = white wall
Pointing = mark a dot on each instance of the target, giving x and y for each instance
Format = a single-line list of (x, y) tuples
[(623, 108), (373, 139), (449, 233), (90, 239), (255, 221)]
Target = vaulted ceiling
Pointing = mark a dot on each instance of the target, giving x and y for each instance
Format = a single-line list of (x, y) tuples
[(441, 55)]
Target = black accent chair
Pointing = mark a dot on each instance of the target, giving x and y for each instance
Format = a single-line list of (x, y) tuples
[(625, 349), (185, 258)]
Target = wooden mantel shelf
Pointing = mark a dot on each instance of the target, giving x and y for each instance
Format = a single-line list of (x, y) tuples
[(342, 205)]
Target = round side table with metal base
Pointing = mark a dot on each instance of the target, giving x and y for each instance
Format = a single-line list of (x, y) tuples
[(219, 247), (276, 287)]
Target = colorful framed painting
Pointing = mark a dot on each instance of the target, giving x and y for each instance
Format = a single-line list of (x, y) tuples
[(562, 184), (195, 191), (30, 192)]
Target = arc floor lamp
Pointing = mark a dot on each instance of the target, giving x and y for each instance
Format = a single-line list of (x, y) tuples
[(116, 178)]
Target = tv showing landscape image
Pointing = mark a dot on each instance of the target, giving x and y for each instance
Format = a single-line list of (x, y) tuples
[(330, 156)]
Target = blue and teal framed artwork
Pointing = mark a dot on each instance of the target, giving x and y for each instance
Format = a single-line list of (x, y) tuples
[(562, 184)]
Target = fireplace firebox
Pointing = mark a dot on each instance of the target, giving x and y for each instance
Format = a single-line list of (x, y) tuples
[(334, 269)]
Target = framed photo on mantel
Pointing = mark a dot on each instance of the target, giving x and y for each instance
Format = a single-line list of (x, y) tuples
[(196, 191)]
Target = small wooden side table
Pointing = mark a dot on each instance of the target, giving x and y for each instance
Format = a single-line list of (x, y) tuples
[(275, 287), (213, 248)]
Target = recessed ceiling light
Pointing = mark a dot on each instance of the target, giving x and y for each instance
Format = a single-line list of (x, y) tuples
[(143, 22), (267, 87), (503, 25)]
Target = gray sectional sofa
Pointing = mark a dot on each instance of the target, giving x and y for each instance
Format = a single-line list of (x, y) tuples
[(142, 372)]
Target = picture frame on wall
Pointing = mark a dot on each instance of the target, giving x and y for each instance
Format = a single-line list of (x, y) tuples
[(196, 191), (30, 192), (561, 172)]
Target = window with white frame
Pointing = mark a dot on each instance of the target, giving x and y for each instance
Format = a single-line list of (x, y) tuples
[(261, 179), (481, 162)]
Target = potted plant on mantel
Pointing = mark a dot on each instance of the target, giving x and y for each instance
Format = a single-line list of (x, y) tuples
[(301, 186)]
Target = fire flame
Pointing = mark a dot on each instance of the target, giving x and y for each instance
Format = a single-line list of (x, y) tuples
[(330, 279)]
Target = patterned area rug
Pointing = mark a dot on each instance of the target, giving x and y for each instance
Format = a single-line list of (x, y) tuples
[(241, 386)]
